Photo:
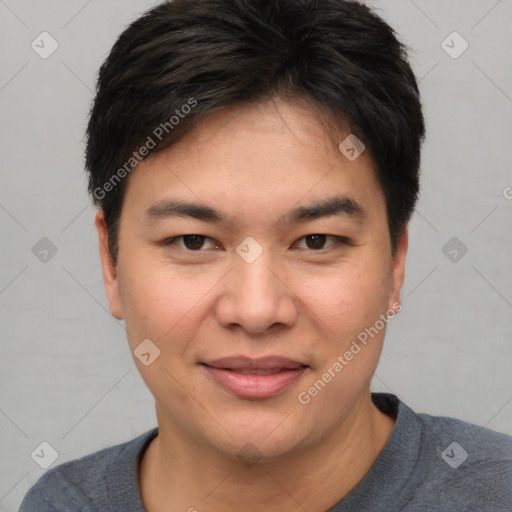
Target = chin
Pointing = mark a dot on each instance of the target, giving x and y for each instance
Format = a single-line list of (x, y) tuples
[(260, 435)]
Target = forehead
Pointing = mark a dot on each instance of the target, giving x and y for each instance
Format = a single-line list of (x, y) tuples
[(258, 156), (298, 120)]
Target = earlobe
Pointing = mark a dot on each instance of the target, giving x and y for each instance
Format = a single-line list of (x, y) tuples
[(110, 279), (399, 269)]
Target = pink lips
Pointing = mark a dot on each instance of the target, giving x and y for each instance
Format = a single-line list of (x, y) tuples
[(255, 378)]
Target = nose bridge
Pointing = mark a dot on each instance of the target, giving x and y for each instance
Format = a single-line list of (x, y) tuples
[(257, 296), (256, 277)]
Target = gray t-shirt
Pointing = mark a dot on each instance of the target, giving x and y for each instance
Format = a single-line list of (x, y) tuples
[(429, 464)]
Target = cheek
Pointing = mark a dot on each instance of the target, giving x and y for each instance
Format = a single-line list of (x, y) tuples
[(349, 298), (161, 302), (151, 300)]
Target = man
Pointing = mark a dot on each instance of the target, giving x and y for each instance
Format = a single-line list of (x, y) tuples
[(255, 165)]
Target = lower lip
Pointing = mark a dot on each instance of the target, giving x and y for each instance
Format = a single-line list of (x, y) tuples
[(255, 386)]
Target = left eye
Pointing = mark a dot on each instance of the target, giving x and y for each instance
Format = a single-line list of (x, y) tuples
[(316, 240)]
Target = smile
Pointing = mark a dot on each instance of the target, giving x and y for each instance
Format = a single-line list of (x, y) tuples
[(255, 378)]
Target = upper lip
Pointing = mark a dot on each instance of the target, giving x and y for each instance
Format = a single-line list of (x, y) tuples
[(247, 363)]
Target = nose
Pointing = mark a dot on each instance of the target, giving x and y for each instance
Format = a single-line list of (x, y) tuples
[(255, 295)]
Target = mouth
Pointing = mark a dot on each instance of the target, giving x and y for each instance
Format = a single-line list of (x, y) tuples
[(255, 378)]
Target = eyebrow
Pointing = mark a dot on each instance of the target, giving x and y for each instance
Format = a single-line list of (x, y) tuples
[(340, 205)]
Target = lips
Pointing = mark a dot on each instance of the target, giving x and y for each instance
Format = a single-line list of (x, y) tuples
[(246, 363), (255, 378)]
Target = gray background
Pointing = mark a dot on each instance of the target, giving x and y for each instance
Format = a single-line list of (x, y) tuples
[(67, 376)]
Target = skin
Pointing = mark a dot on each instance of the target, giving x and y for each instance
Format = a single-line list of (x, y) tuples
[(295, 300)]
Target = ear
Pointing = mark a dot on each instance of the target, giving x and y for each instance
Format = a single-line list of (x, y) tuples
[(110, 279), (398, 269)]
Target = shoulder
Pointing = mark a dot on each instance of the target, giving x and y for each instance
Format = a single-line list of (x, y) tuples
[(462, 443), (440, 463), (88, 483), (462, 464)]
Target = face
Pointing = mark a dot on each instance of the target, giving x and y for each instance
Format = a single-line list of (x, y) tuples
[(283, 263)]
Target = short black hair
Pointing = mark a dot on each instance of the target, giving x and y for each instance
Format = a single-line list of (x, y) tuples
[(184, 59)]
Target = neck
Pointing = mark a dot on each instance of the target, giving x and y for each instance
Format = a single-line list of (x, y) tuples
[(180, 473)]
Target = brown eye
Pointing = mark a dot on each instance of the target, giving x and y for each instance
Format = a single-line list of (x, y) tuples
[(315, 241), (191, 243)]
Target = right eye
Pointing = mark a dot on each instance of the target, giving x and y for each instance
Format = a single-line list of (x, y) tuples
[(192, 243)]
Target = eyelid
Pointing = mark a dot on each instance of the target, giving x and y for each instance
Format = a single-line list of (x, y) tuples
[(173, 241), (338, 240)]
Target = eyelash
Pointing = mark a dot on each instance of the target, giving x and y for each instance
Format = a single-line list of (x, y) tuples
[(338, 241)]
